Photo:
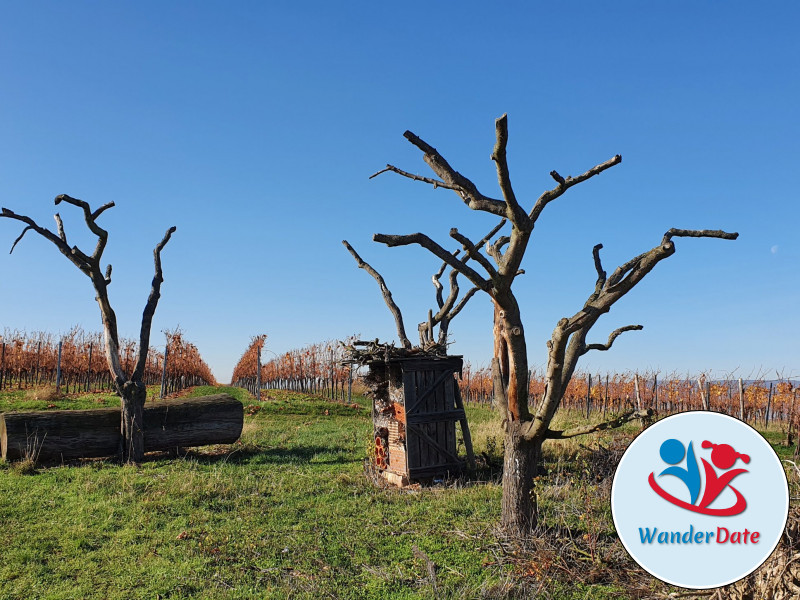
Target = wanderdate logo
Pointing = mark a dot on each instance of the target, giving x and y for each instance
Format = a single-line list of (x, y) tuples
[(700, 499), (723, 457)]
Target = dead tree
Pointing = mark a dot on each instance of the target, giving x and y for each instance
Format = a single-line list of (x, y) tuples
[(129, 385), (526, 427)]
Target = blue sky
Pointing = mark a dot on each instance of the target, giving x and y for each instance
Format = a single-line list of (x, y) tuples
[(253, 127)]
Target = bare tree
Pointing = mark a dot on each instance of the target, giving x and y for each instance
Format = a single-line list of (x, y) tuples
[(526, 427), (129, 385)]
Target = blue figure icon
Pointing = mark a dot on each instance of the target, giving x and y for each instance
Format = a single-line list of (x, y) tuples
[(672, 452)]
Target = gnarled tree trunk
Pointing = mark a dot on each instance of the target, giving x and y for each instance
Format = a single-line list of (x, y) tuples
[(525, 431)]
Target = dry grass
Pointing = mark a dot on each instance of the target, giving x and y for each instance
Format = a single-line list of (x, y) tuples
[(45, 393)]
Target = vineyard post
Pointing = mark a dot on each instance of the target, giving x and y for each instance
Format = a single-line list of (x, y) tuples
[(164, 370), (588, 395), (605, 398), (332, 386), (258, 373), (769, 401), (350, 385), (655, 391), (3, 366), (636, 388), (791, 418), (58, 369), (38, 355), (741, 400), (730, 397), (89, 369)]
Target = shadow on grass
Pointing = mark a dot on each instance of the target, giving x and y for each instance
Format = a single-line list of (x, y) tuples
[(253, 455)]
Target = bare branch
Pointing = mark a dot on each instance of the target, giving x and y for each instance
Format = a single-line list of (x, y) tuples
[(601, 274), (715, 233), (60, 226), (434, 182), (43, 231), (427, 243), (565, 184), (623, 269), (598, 265), (102, 209), (21, 235), (150, 307), (515, 212), (485, 239), (613, 336), (463, 302), (89, 217), (387, 295), (454, 180), (472, 251), (619, 421)]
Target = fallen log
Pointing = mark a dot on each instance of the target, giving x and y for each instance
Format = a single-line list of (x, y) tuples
[(168, 424)]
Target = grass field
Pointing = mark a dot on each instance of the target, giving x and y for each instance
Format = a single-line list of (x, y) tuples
[(289, 512)]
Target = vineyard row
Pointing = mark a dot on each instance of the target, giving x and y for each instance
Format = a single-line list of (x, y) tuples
[(77, 362)]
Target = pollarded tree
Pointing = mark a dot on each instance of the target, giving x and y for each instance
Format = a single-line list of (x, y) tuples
[(130, 386), (527, 421)]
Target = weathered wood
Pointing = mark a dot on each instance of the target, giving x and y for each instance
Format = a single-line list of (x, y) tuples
[(68, 434)]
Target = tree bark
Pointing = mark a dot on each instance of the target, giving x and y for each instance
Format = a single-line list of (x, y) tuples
[(133, 394), (68, 434), (520, 466)]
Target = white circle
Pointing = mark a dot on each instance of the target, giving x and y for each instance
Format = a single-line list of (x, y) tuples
[(673, 527)]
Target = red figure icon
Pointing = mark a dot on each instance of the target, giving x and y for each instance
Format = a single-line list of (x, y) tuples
[(724, 457)]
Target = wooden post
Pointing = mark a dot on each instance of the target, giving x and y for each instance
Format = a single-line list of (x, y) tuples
[(38, 356), (741, 400), (3, 366), (258, 374), (350, 385), (655, 391), (636, 387), (769, 402), (605, 399), (588, 395), (332, 386), (58, 369), (164, 371), (89, 368)]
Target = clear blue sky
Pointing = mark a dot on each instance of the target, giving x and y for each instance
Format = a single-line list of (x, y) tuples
[(253, 127)]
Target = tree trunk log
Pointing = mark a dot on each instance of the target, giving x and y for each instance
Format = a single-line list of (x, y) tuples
[(68, 434), (520, 466), (131, 447)]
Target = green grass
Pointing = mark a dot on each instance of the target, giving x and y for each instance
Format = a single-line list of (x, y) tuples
[(288, 512)]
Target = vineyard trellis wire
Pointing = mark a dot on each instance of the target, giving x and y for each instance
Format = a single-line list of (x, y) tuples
[(76, 362)]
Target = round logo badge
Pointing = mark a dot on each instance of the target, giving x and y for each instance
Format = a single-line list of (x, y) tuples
[(700, 499)]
